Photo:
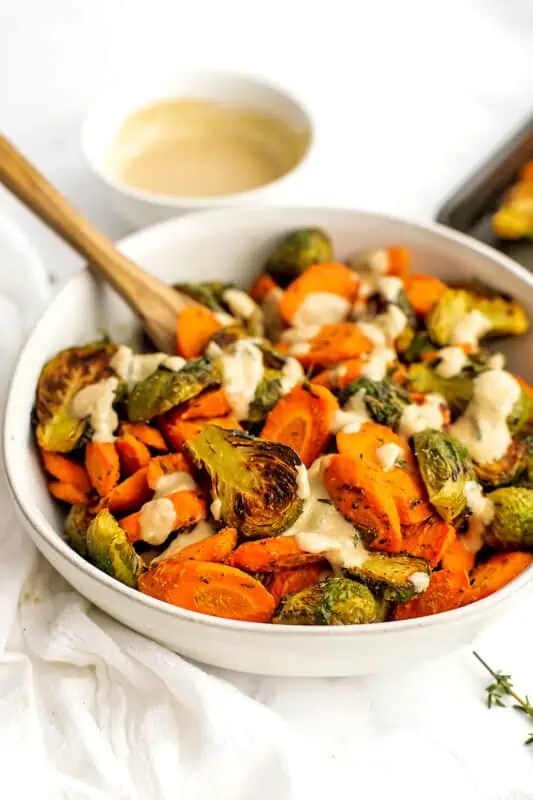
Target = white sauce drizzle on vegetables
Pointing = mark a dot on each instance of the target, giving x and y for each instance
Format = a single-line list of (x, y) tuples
[(302, 482), (321, 529), (297, 335), (416, 418), (243, 370), (134, 368), (482, 509), (387, 455), (451, 361), (496, 361), (390, 287), (200, 532), (470, 329), (483, 428), (291, 374), (216, 508), (300, 349), (420, 581), (95, 403), (240, 303), (321, 308), (172, 482), (158, 516), (381, 356), (352, 416), (224, 319)]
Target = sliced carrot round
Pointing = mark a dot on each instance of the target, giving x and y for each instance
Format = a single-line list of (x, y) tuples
[(330, 278), (196, 325)]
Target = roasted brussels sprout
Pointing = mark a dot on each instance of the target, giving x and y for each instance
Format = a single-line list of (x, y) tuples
[(520, 413), (512, 524), (384, 400), (457, 391), (164, 389), (445, 467), (267, 395), (109, 548), (396, 578), (335, 601), (299, 250), (413, 346), (208, 294), (256, 481), (506, 317), (505, 470), (227, 336), (61, 378), (76, 525)]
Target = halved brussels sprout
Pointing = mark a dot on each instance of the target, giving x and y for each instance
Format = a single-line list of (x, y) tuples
[(414, 345), (165, 389), (520, 413), (396, 578), (445, 467), (457, 391), (208, 294), (61, 378), (256, 481), (512, 525), (384, 400), (335, 601), (228, 335), (507, 317), (506, 469), (76, 525), (109, 548), (267, 394), (299, 250)]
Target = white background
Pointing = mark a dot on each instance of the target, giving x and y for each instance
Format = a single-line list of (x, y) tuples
[(408, 97)]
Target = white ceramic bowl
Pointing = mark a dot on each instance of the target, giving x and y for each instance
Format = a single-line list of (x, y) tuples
[(132, 92), (232, 245)]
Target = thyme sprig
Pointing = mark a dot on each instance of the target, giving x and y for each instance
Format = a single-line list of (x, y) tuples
[(502, 688)]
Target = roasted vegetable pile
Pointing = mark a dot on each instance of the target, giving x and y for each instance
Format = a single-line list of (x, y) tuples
[(336, 447), (514, 218)]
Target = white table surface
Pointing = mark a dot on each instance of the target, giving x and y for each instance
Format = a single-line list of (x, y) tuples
[(408, 97)]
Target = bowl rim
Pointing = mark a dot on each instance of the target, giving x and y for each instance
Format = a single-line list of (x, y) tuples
[(53, 538), (196, 203)]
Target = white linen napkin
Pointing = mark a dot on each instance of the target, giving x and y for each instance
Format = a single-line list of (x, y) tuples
[(90, 710)]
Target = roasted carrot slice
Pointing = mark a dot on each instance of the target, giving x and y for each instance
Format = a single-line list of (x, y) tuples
[(341, 375), (207, 405), (333, 343), (302, 419), (67, 492), (399, 259), (403, 480), (447, 590), (190, 508), (290, 581), (268, 555), (65, 470), (103, 466), (133, 453), (220, 591), (177, 433), (400, 374), (428, 539), (331, 278), (130, 494), (423, 291), (365, 500), (145, 433), (163, 465), (262, 285), (457, 557), (495, 573), (196, 325)]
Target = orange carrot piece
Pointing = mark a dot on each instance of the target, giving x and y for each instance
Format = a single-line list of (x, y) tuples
[(341, 375), (400, 374), (103, 466), (262, 285), (526, 172), (457, 557), (133, 453), (269, 555), (177, 433), (332, 278), (403, 480), (130, 494), (423, 291), (145, 433), (163, 465), (428, 539), (302, 419), (210, 404), (220, 591), (399, 259), (290, 581), (447, 590), (364, 500), (196, 325), (65, 470), (333, 343), (67, 492), (495, 573), (190, 508)]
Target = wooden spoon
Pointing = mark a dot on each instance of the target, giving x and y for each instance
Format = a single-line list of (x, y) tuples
[(152, 300)]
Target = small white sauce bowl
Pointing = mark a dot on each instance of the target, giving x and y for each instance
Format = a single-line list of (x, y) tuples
[(129, 93)]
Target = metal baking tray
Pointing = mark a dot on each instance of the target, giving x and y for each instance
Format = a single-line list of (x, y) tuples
[(470, 207)]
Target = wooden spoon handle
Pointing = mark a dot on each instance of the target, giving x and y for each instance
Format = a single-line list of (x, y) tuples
[(156, 303)]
